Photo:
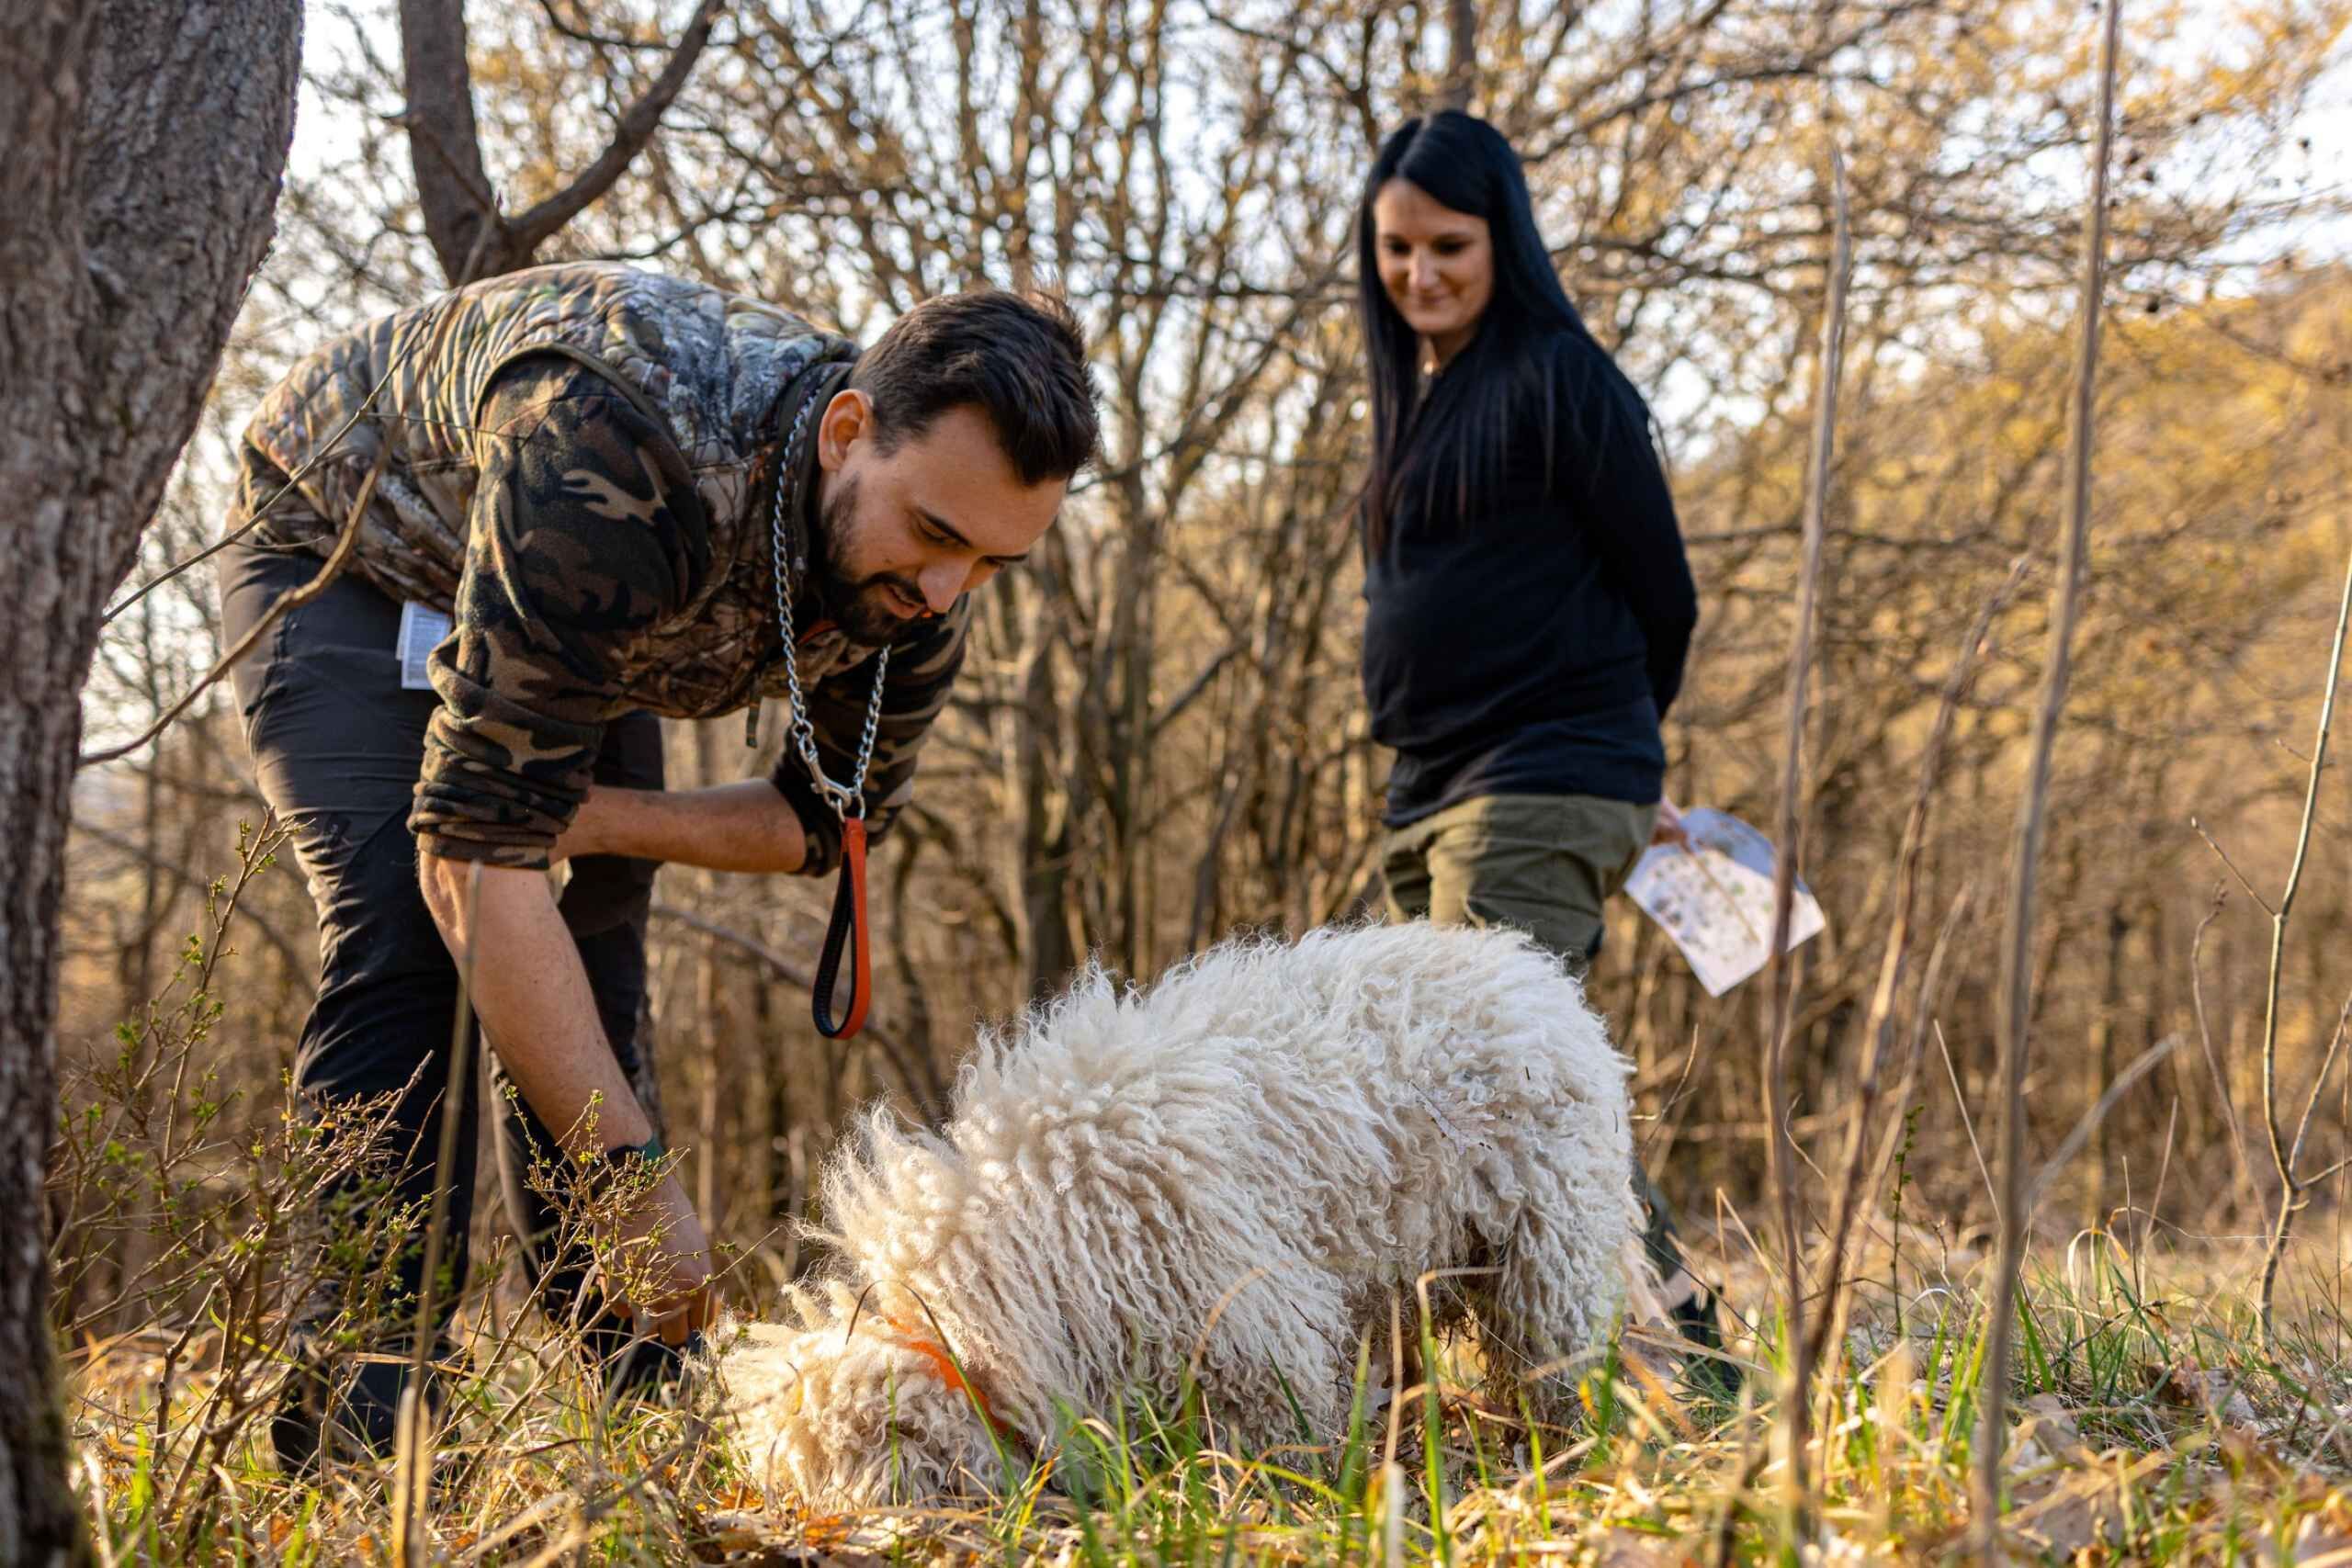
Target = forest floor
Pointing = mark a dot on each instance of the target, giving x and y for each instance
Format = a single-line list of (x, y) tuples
[(2154, 1424)]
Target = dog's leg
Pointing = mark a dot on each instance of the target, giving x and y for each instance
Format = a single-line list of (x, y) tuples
[(1544, 1314)]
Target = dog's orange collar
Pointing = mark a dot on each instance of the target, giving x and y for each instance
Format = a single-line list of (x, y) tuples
[(931, 1350)]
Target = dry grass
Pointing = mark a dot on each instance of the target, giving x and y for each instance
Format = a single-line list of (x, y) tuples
[(2156, 1429), (2157, 1424)]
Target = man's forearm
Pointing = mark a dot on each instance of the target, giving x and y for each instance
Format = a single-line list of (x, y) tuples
[(532, 995), (737, 826)]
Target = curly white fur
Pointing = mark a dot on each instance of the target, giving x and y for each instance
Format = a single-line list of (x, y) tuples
[(1220, 1179)]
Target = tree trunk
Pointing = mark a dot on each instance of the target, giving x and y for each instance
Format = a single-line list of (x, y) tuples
[(471, 235), (453, 190), (145, 145), (1461, 54)]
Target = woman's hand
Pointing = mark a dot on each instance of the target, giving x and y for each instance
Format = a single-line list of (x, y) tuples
[(1670, 828)]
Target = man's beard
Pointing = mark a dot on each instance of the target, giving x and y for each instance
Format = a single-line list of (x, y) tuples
[(863, 607)]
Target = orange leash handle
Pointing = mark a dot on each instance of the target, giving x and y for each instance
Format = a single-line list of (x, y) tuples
[(845, 936)]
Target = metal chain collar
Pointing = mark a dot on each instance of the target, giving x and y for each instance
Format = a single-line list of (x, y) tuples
[(848, 800)]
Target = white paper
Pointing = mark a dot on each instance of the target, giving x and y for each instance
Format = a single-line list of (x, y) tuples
[(422, 629), (1714, 898)]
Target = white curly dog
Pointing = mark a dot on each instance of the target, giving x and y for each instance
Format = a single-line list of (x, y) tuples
[(1216, 1183)]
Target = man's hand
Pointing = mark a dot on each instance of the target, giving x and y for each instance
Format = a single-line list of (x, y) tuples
[(533, 998), (665, 1266), (1670, 828)]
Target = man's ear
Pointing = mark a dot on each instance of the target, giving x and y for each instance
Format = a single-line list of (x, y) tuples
[(847, 420)]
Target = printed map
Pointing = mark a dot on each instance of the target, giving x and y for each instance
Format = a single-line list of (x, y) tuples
[(1714, 898)]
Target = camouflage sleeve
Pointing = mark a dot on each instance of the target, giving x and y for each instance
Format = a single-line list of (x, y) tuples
[(585, 534), (923, 668)]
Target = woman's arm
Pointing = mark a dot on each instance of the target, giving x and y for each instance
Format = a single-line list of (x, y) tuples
[(1640, 539)]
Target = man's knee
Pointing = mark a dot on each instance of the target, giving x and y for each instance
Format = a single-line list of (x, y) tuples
[(606, 893)]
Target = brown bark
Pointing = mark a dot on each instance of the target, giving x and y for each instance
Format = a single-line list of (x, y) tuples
[(1461, 55), (146, 145), (452, 185)]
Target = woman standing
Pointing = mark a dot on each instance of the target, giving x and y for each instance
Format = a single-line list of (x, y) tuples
[(1528, 601)]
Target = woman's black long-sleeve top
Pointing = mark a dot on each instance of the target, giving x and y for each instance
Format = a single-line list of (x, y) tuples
[(1533, 648)]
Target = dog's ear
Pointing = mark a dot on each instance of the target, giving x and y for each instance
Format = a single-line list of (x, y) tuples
[(800, 1308), (763, 1391)]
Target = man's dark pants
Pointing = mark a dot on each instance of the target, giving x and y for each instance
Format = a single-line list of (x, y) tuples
[(337, 743)]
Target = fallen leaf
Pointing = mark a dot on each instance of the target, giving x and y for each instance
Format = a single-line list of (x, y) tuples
[(2049, 1427), (2210, 1390)]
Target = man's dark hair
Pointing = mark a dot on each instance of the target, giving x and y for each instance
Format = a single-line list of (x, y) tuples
[(1020, 358)]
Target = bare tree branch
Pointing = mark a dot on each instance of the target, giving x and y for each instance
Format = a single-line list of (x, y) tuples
[(923, 1086), (636, 127), (2291, 1186), (468, 233), (1829, 363), (453, 190)]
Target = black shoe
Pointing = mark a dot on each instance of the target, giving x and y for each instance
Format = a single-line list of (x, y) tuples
[(346, 1411), (1706, 1372), (635, 1368)]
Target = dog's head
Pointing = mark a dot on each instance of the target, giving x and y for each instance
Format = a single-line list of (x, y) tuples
[(868, 1409)]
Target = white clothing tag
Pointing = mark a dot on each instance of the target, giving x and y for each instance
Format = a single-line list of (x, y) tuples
[(422, 629)]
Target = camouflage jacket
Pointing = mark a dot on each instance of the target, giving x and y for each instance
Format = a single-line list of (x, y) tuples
[(583, 462)]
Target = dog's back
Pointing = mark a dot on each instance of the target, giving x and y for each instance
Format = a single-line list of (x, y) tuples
[(1226, 1175)]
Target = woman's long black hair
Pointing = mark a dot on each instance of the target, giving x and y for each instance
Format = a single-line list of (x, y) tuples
[(1529, 343)]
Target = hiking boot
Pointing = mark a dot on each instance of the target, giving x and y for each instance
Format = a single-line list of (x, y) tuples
[(344, 1410), (1706, 1372)]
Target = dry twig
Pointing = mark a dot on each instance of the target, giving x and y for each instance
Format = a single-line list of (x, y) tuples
[(2017, 959), (2283, 1159), (1776, 1070)]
